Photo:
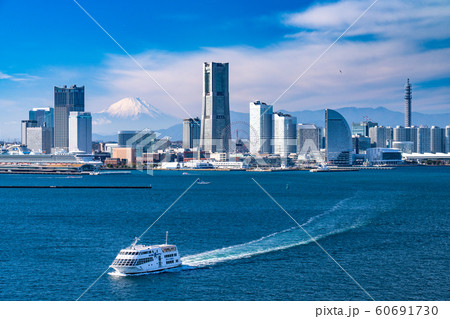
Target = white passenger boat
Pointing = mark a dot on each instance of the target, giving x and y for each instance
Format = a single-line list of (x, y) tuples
[(141, 259)]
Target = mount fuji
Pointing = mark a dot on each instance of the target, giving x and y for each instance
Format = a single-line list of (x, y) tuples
[(130, 113)]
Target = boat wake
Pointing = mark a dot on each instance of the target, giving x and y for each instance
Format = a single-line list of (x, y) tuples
[(347, 214)]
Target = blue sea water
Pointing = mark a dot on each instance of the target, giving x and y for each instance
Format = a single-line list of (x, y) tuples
[(389, 229)]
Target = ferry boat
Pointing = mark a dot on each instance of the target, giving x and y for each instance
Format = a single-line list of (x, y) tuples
[(141, 259)]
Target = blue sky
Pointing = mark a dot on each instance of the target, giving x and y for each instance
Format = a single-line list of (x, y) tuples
[(268, 44)]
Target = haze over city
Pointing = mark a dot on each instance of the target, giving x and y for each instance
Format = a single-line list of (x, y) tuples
[(267, 45)]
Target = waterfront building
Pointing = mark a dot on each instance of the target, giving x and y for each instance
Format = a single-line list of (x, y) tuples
[(80, 132), (338, 139), (437, 139), (191, 132), (125, 154), (406, 147), (423, 139), (308, 139), (215, 131), (261, 127), (447, 139), (389, 136), (411, 134), (124, 136), (284, 134), (378, 136), (408, 97), (66, 100), (39, 139), (384, 156), (400, 134), (362, 128), (44, 117), (360, 144), (24, 126)]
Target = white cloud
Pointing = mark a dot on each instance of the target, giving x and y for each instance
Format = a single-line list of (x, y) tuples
[(101, 121), (415, 19), (373, 72), (4, 76), (17, 77)]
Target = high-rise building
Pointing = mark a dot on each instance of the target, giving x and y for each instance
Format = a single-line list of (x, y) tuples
[(423, 139), (362, 128), (284, 134), (378, 136), (80, 132), (389, 136), (66, 100), (308, 139), (261, 127), (26, 124), (437, 139), (44, 117), (191, 132), (411, 134), (143, 141), (39, 139), (360, 144), (399, 134), (408, 97), (124, 136), (215, 132), (447, 139), (338, 139)]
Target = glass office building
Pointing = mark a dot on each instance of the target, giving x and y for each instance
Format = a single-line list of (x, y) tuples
[(66, 100), (338, 139)]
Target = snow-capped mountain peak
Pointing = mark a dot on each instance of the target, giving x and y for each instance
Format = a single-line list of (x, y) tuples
[(131, 107)]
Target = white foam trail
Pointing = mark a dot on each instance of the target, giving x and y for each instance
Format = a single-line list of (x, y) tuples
[(341, 217)]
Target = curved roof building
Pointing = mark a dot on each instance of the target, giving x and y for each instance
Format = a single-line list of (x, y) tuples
[(338, 139)]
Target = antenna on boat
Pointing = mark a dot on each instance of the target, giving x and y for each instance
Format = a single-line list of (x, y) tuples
[(167, 235), (136, 239)]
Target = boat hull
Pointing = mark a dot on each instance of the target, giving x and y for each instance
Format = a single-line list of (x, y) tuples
[(140, 271)]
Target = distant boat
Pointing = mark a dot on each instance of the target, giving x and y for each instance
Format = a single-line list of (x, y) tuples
[(320, 168), (185, 173)]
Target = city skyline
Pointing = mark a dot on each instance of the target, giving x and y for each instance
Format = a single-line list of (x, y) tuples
[(367, 67)]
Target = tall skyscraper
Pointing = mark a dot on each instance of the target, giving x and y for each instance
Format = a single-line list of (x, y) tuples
[(338, 139), (39, 139), (191, 132), (284, 134), (215, 126), (423, 139), (66, 100), (261, 122), (408, 97), (26, 124), (308, 137), (80, 132)]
